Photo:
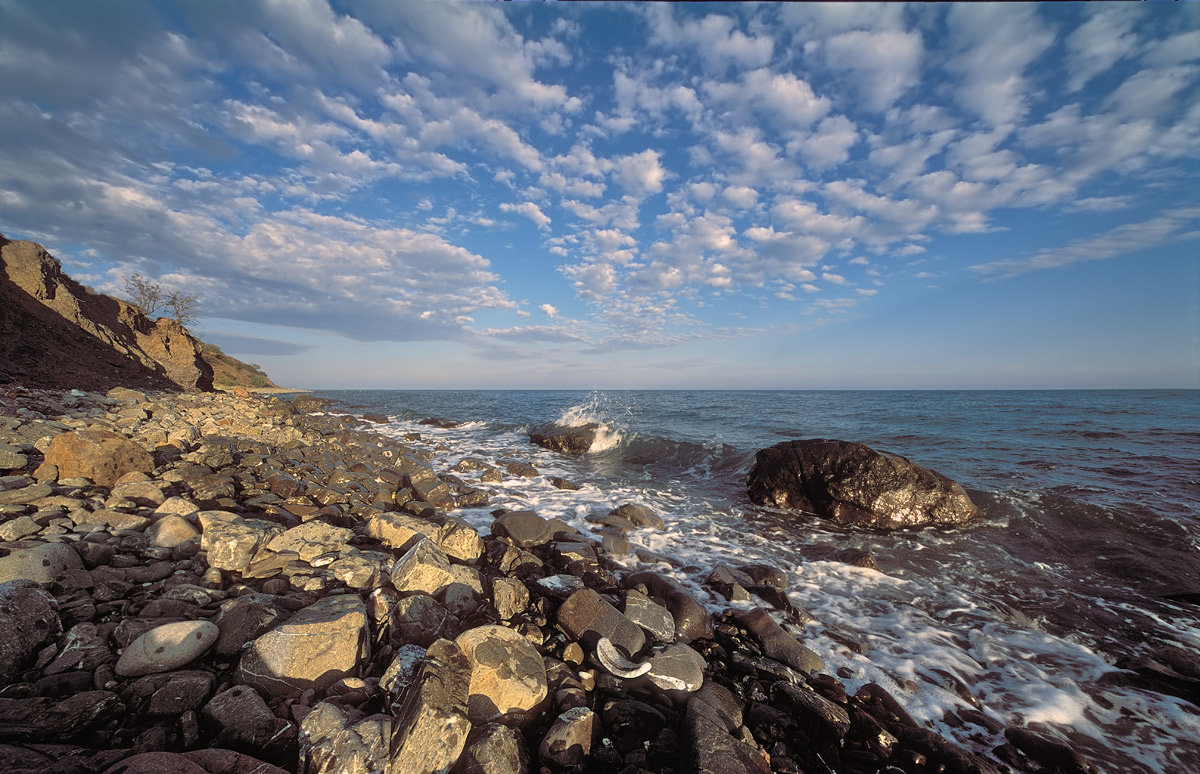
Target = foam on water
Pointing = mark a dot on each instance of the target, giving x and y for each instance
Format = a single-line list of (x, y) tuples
[(921, 634), (595, 410)]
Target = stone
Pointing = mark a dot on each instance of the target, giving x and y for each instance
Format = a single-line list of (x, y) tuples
[(159, 762), (639, 515), (811, 709), (430, 728), (242, 620), (167, 647), (424, 568), (856, 485), (713, 749), (185, 691), (83, 648), (730, 583), (40, 718), (100, 455), (402, 671), (420, 619), (765, 575), (15, 529), (171, 531), (241, 717), (507, 673), (586, 616), (692, 621), (494, 749), (569, 740), (28, 621), (677, 668), (231, 544), (310, 540), (316, 647), (510, 597), (524, 528), (654, 619), (11, 457), (42, 563), (776, 643), (574, 440), (216, 761), (331, 743)]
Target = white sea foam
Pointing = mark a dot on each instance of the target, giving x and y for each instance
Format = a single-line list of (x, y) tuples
[(913, 626), (595, 410)]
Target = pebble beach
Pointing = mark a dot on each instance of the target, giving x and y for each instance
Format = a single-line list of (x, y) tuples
[(221, 583)]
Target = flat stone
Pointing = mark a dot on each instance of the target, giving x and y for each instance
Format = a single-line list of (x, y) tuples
[(420, 620), (183, 693), (586, 616), (243, 619), (639, 515), (15, 529), (507, 673), (310, 540), (524, 528), (654, 619), (167, 647), (232, 544), (776, 643), (26, 494), (315, 648)]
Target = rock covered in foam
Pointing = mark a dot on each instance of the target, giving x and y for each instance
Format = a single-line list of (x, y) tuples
[(574, 440)]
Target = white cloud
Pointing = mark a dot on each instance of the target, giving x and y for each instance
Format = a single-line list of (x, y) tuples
[(1171, 226), (883, 65), (740, 196), (1099, 43), (828, 145), (712, 38), (996, 45), (549, 310), (641, 173), (1149, 93), (529, 210)]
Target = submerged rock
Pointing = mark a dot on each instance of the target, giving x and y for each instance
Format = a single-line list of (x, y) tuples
[(568, 440), (854, 484)]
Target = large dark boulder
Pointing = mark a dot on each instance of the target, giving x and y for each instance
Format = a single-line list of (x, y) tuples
[(856, 485), (568, 440)]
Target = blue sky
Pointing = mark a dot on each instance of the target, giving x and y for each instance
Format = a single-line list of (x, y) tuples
[(419, 194)]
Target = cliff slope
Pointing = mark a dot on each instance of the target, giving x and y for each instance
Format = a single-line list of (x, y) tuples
[(56, 334)]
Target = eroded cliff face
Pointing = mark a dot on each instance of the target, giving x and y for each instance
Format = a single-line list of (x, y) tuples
[(45, 311)]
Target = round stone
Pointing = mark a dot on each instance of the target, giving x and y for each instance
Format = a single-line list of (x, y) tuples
[(507, 673), (167, 647)]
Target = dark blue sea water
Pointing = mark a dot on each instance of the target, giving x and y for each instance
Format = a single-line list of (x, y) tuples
[(1091, 504)]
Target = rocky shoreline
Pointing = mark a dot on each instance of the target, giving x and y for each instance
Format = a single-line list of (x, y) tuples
[(213, 583)]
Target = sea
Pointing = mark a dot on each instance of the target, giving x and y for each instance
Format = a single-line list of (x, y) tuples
[(1090, 532)]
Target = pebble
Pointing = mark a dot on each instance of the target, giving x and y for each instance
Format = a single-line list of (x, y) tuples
[(167, 647)]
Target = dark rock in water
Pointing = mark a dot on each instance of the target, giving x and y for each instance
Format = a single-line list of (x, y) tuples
[(776, 643), (568, 440), (639, 515), (856, 485), (379, 419), (587, 617), (562, 483), (309, 403), (1049, 753), (444, 424), (692, 621)]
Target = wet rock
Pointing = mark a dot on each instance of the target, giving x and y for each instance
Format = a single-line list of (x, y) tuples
[(431, 726), (184, 691), (569, 740), (654, 619), (1050, 754), (159, 762), (586, 616), (28, 621), (765, 575), (639, 515), (84, 647), (713, 749), (509, 596), (811, 709), (42, 563), (677, 668), (574, 440), (692, 621), (241, 718), (315, 648), (507, 673), (100, 455), (524, 528), (730, 583), (854, 484), (217, 761), (243, 619), (494, 749), (167, 647), (331, 743), (776, 643)]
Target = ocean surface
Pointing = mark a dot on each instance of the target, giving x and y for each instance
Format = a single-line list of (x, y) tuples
[(1091, 504)]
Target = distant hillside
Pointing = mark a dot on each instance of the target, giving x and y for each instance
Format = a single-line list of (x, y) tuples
[(231, 372), (58, 334)]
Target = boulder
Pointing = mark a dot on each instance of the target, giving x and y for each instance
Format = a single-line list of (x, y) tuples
[(39, 562), (569, 740), (494, 749), (315, 648), (639, 515), (776, 643), (567, 440), (331, 743), (524, 528), (677, 668), (431, 726), (101, 455), (424, 568), (28, 620), (856, 485), (587, 617), (507, 673), (240, 717), (692, 621)]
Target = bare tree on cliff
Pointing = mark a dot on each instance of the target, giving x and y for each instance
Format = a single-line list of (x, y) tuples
[(152, 297)]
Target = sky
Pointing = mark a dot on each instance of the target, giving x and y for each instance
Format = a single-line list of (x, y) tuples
[(388, 194)]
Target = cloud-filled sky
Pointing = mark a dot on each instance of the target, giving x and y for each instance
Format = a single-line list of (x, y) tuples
[(422, 194)]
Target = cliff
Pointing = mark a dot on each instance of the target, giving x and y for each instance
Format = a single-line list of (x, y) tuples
[(57, 334), (231, 372)]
